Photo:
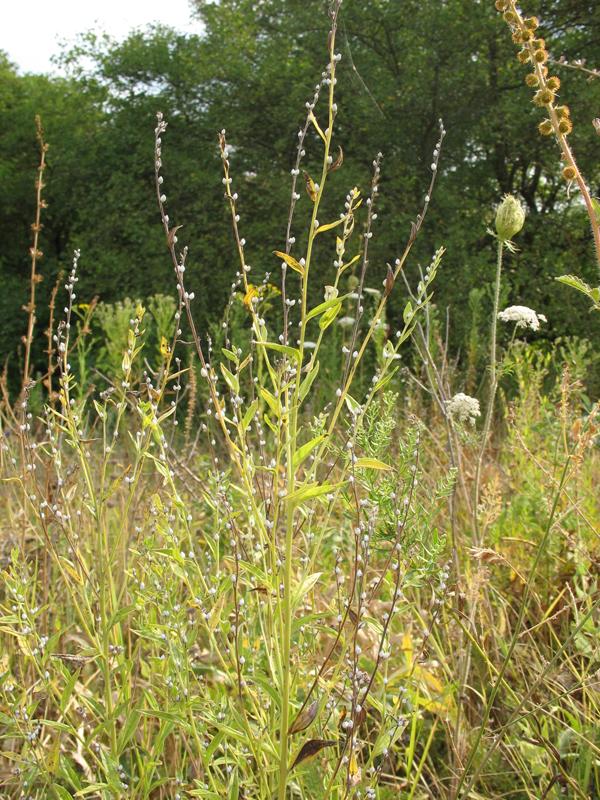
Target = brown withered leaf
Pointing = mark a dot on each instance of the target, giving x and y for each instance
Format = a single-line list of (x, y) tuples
[(171, 235), (389, 281), (310, 186), (360, 717), (311, 748), (304, 719), (338, 161), (353, 616)]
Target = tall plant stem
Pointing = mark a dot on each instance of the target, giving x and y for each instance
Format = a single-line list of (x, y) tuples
[(492, 395), (293, 406), (34, 250)]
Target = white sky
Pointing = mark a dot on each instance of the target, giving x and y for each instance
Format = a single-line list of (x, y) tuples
[(30, 30)]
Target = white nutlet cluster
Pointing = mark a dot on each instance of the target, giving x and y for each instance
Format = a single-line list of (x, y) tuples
[(522, 316), (463, 408)]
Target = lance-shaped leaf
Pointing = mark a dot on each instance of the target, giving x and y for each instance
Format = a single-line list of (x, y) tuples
[(338, 161), (290, 261), (305, 718), (371, 463), (311, 748), (311, 187)]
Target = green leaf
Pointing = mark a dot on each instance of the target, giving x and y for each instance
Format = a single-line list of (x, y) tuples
[(304, 588), (330, 315), (322, 307), (385, 380), (271, 400), (292, 352), (230, 355), (576, 283), (249, 415), (129, 728), (308, 381), (407, 313), (61, 793), (353, 405), (305, 450), (230, 379), (308, 491), (234, 786)]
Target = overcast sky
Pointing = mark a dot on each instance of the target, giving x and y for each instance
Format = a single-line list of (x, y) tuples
[(30, 30)]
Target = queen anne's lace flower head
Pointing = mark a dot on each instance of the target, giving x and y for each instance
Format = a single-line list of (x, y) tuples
[(463, 408), (522, 316)]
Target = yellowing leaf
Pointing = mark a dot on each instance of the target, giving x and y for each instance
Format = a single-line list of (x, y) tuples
[(371, 463), (290, 261), (164, 347), (311, 187)]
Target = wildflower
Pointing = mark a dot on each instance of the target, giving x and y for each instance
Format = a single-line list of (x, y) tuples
[(510, 218), (346, 322), (522, 316), (463, 408)]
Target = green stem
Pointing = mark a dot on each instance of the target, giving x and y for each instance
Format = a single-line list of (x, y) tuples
[(493, 387)]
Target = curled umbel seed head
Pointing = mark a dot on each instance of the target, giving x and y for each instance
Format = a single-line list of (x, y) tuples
[(510, 218)]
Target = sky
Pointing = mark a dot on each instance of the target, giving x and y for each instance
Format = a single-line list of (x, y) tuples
[(30, 30)]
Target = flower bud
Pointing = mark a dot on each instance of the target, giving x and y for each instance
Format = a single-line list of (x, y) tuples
[(510, 218)]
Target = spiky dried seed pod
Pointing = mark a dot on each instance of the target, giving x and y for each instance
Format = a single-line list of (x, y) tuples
[(510, 17), (545, 128), (523, 56), (565, 126), (531, 22), (517, 36), (532, 80), (539, 44), (526, 35), (553, 83), (569, 173), (564, 112), (543, 97), (501, 5), (541, 56)]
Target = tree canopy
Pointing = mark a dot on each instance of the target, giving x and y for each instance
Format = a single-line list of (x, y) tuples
[(404, 66)]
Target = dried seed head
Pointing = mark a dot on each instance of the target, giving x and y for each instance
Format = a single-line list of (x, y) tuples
[(532, 80), (532, 23), (545, 128), (541, 56), (501, 5), (543, 97), (553, 83), (510, 218), (564, 112), (524, 56), (510, 17), (569, 173), (565, 126)]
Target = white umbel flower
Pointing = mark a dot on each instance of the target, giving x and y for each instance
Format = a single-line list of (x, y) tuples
[(522, 316), (463, 408)]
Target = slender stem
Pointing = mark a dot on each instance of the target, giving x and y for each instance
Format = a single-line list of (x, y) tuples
[(34, 251), (293, 405), (493, 387)]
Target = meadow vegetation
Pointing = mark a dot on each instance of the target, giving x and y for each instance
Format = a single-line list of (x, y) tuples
[(302, 548)]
